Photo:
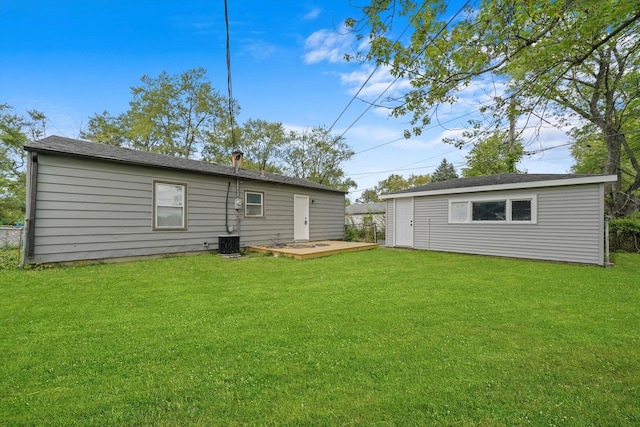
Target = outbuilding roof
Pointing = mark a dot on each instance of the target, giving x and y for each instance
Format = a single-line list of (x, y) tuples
[(58, 145), (365, 208), (507, 181)]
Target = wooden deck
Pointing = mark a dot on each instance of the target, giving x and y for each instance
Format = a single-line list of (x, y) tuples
[(307, 250)]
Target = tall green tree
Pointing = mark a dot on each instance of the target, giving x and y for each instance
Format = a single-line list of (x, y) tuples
[(15, 131), (493, 156), (396, 182), (169, 114), (555, 59), (370, 195), (393, 182), (261, 142), (444, 171), (417, 180), (590, 153), (317, 155)]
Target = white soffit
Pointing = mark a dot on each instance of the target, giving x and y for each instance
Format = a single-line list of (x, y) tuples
[(598, 179)]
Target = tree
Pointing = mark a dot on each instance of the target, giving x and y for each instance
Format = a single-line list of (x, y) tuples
[(168, 114), (106, 129), (261, 141), (444, 171), (316, 155), (590, 153), (417, 180), (369, 195), (395, 182), (493, 156), (15, 131), (580, 58)]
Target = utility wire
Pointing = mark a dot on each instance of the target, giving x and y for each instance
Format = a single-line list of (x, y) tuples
[(229, 86), (398, 78), (373, 72)]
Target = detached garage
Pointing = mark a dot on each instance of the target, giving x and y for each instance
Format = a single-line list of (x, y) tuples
[(558, 217)]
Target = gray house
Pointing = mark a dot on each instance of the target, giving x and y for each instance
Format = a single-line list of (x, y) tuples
[(537, 216), (89, 201)]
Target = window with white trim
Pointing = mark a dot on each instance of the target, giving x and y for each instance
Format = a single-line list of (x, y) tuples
[(169, 206), (253, 204), (520, 209)]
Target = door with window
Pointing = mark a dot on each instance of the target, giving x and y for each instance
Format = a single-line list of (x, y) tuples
[(300, 218), (404, 222)]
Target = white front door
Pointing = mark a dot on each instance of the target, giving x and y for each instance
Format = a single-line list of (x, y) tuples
[(404, 222), (300, 218)]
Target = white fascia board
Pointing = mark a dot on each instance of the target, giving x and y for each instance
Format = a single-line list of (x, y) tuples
[(600, 179)]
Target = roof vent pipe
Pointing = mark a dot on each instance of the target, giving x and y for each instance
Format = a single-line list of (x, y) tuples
[(237, 158)]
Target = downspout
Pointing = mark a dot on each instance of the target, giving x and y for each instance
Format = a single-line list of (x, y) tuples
[(606, 243), (238, 207), (226, 210), (32, 191)]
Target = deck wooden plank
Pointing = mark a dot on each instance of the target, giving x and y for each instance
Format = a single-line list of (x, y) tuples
[(310, 250)]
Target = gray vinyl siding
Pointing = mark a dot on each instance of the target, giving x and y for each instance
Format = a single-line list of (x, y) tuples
[(390, 227), (89, 209), (569, 227)]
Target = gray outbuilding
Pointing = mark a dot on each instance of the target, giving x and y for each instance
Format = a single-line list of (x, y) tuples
[(557, 217), (88, 201)]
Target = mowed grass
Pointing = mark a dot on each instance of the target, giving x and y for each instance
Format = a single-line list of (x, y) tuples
[(383, 337)]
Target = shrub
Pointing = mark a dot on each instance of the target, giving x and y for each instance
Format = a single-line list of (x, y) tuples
[(624, 234)]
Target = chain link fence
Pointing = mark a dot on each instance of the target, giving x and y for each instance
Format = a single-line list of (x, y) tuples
[(11, 237)]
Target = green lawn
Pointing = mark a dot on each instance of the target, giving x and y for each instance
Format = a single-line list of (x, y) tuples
[(384, 337)]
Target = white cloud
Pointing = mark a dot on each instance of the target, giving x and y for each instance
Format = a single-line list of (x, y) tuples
[(312, 14), (258, 49), (326, 45)]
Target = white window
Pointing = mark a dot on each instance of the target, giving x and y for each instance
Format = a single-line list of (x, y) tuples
[(520, 209), (459, 212), (169, 206), (253, 204)]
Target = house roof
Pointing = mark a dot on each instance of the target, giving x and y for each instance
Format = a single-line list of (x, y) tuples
[(365, 208), (508, 181), (58, 145)]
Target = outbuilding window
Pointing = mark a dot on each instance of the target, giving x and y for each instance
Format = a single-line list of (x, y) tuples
[(511, 210), (169, 206), (253, 204)]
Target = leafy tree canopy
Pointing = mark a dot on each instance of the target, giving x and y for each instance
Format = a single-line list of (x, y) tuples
[(261, 141), (395, 182), (182, 115), (317, 155), (16, 130), (492, 156), (168, 114), (566, 62)]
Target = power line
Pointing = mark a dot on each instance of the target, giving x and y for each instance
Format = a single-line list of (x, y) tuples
[(354, 97), (414, 59), (229, 86)]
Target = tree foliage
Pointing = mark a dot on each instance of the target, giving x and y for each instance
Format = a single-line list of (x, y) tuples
[(168, 114), (493, 156), (395, 182), (590, 153), (444, 171), (260, 140), (15, 131), (317, 155), (559, 59), (182, 115)]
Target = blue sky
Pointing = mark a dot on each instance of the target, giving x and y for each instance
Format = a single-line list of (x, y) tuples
[(71, 59)]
